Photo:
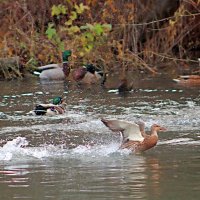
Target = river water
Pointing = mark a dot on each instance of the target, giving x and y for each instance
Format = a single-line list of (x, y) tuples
[(74, 156)]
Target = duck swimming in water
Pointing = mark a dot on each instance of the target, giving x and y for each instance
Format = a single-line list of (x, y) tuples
[(55, 71), (88, 74), (134, 136), (190, 80), (50, 109), (124, 86)]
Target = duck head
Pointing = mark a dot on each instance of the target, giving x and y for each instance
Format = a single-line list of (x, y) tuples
[(65, 55), (65, 58), (57, 100), (157, 128), (90, 68)]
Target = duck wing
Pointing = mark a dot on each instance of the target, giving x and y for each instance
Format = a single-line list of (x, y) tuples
[(50, 66), (47, 105), (129, 130)]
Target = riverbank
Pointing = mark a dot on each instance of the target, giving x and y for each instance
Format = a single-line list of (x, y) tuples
[(116, 37)]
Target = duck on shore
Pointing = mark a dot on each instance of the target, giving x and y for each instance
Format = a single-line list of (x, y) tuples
[(50, 109), (134, 136), (55, 71)]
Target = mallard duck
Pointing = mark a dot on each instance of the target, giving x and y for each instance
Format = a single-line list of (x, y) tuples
[(54, 108), (188, 80), (88, 74), (134, 137), (55, 71)]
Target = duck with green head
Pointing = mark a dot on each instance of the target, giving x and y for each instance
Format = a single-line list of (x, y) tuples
[(88, 74), (55, 71), (50, 109)]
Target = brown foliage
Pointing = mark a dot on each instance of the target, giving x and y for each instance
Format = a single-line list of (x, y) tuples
[(145, 33)]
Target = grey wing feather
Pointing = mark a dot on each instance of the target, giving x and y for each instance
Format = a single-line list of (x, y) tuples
[(129, 130)]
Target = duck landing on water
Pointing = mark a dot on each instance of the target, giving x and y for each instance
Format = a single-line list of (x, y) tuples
[(189, 80), (134, 137)]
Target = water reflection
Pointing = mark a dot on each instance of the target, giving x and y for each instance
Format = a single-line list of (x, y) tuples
[(14, 176), (154, 182)]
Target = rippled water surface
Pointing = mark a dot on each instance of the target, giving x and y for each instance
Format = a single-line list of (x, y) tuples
[(74, 156)]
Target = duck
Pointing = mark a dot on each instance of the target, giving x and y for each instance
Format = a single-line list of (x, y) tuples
[(88, 74), (134, 136), (124, 87), (55, 71), (190, 80), (50, 109)]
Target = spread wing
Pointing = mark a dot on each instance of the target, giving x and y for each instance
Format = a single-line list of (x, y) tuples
[(129, 130)]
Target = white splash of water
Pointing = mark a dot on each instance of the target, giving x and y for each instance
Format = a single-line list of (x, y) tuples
[(16, 143), (17, 149), (97, 150), (12, 147)]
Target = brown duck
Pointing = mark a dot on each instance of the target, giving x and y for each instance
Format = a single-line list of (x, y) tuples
[(134, 136), (190, 80)]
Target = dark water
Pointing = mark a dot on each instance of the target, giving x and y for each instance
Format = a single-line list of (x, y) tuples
[(74, 156)]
